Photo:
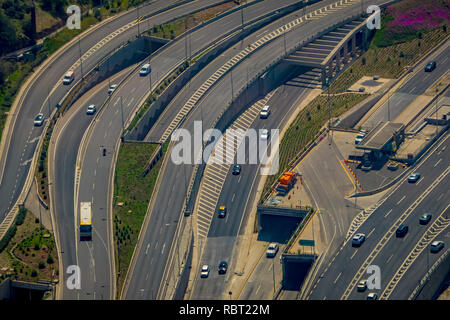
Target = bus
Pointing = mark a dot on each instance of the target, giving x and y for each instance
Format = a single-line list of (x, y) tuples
[(85, 221)]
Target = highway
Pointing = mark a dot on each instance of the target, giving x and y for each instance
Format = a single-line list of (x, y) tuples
[(237, 194), (404, 205), (64, 163), (409, 91), (170, 200), (96, 176), (20, 143)]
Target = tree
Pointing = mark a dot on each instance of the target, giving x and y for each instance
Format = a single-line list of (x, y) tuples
[(8, 36)]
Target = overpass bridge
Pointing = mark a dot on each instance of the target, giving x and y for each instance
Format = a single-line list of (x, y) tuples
[(328, 53)]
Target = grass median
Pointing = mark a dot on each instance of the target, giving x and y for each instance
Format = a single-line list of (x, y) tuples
[(132, 193), (28, 253)]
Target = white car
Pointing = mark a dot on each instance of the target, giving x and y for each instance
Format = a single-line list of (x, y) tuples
[(362, 286), (205, 271), (145, 70), (265, 112), (112, 88), (39, 120), (272, 250), (68, 77), (265, 134), (91, 109), (358, 239), (372, 296)]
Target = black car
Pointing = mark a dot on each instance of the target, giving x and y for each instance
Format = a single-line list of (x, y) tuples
[(430, 66), (223, 266), (236, 169), (402, 230), (424, 219)]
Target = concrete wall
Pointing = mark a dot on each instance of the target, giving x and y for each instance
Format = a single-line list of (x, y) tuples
[(295, 270), (432, 286), (148, 120)]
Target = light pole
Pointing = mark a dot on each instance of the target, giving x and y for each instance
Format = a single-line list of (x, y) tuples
[(121, 110), (273, 274), (81, 60), (48, 100), (138, 20)]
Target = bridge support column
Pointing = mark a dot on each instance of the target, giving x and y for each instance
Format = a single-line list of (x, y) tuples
[(324, 76), (353, 40), (346, 57)]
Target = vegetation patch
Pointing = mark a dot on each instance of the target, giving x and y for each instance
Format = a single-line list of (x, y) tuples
[(132, 193), (30, 254), (173, 29)]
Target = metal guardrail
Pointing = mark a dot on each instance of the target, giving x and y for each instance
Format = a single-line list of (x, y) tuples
[(427, 275)]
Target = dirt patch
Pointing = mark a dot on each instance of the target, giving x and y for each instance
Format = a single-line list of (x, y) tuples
[(369, 84)]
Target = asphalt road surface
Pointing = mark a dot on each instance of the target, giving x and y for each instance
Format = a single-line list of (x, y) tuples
[(430, 194)]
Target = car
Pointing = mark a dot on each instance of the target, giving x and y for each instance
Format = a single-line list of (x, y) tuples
[(112, 88), (372, 296), (265, 134), (424, 219), (414, 177), (358, 239), (145, 70), (68, 77), (205, 271), (359, 138), (401, 231), (265, 112), (362, 286), (272, 250), (430, 66), (392, 166), (222, 212), (436, 246), (38, 120), (223, 266), (91, 109), (236, 169)]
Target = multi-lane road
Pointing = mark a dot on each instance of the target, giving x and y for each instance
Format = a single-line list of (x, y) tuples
[(96, 171), (404, 205), (20, 139), (170, 198)]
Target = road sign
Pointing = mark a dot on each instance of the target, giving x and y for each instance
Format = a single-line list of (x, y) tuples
[(306, 243)]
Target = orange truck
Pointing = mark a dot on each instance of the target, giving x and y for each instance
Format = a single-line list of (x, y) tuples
[(286, 182)]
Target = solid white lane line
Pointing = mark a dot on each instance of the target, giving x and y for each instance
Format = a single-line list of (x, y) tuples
[(339, 275), (388, 213), (437, 162), (370, 233)]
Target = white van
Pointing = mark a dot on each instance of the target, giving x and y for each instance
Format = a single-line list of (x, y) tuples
[(68, 77), (145, 70), (265, 112)]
